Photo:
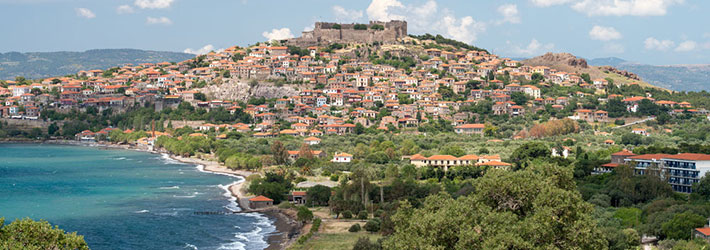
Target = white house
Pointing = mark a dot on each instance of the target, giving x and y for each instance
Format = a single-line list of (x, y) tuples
[(342, 157), (312, 141)]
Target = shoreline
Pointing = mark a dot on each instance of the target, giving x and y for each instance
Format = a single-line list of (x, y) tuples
[(287, 228)]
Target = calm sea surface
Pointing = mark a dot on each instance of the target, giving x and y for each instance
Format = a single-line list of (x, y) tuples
[(121, 199)]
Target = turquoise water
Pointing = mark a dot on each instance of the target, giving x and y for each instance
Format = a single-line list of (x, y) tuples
[(121, 199)]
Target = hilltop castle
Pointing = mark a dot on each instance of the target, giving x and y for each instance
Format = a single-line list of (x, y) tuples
[(375, 31)]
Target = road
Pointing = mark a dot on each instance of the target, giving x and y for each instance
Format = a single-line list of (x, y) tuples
[(637, 122)]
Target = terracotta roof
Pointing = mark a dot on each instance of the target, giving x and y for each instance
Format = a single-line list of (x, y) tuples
[(494, 163), (690, 157), (260, 198), (442, 157), (704, 230), (610, 165), (469, 157), (471, 126), (624, 152)]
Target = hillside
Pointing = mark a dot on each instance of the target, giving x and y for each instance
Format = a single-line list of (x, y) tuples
[(45, 64), (570, 63), (674, 77)]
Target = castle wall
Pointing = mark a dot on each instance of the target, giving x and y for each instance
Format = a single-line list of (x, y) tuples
[(324, 33)]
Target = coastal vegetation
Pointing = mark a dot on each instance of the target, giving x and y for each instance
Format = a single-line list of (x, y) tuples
[(36, 235)]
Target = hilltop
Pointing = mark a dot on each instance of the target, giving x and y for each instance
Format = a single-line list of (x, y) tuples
[(572, 64), (47, 64)]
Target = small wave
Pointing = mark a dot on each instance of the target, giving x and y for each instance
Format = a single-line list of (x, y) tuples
[(233, 246), (173, 214), (187, 196), (170, 161), (120, 158), (255, 237), (191, 246), (141, 211), (173, 187)]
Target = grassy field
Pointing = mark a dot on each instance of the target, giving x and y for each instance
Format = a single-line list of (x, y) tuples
[(334, 241)]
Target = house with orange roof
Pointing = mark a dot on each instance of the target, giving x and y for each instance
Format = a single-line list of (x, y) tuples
[(469, 129), (260, 202), (342, 158)]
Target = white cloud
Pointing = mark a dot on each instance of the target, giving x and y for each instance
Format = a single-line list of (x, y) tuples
[(159, 20), (533, 48), (85, 13), (153, 4), (655, 44), (204, 50), (602, 33), (427, 18), (614, 48), (510, 13), (278, 34), (464, 29), (345, 15), (625, 7), (379, 10), (124, 9), (546, 3), (686, 46)]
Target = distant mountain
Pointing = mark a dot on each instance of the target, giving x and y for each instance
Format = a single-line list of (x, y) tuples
[(674, 77), (608, 61), (46, 64)]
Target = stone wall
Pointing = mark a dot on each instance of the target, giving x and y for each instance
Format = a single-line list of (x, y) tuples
[(324, 33)]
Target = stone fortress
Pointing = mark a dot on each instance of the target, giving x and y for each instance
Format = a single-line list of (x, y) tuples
[(326, 33)]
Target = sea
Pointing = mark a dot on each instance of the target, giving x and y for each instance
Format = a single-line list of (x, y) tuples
[(124, 199)]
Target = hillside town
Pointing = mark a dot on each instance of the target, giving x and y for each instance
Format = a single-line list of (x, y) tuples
[(371, 108)]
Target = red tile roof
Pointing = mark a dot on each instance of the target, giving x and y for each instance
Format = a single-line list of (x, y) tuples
[(260, 198)]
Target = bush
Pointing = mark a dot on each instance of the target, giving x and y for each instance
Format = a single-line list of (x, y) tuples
[(619, 122), (334, 177), (363, 243), (354, 228), (373, 225), (304, 214), (379, 213), (347, 214), (316, 225), (362, 215), (286, 205)]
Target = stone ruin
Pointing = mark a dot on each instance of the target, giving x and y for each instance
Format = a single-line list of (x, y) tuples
[(327, 33)]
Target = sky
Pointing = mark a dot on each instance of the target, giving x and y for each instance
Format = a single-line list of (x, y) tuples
[(659, 32)]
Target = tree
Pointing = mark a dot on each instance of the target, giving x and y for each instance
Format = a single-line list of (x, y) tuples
[(29, 234), (615, 107), (278, 150), (318, 195), (304, 214), (453, 150), (682, 225), (359, 128), (586, 78), (701, 189), (535, 208), (519, 98), (200, 96), (52, 129), (529, 151), (373, 225)]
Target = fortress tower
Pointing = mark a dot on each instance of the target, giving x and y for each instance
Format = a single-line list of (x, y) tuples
[(375, 31)]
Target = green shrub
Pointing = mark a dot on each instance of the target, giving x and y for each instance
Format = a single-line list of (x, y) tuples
[(347, 214), (286, 205), (619, 122), (362, 215), (379, 213), (334, 177), (316, 225), (354, 228), (373, 225)]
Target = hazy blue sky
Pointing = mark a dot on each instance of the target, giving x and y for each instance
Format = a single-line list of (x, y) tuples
[(647, 31)]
